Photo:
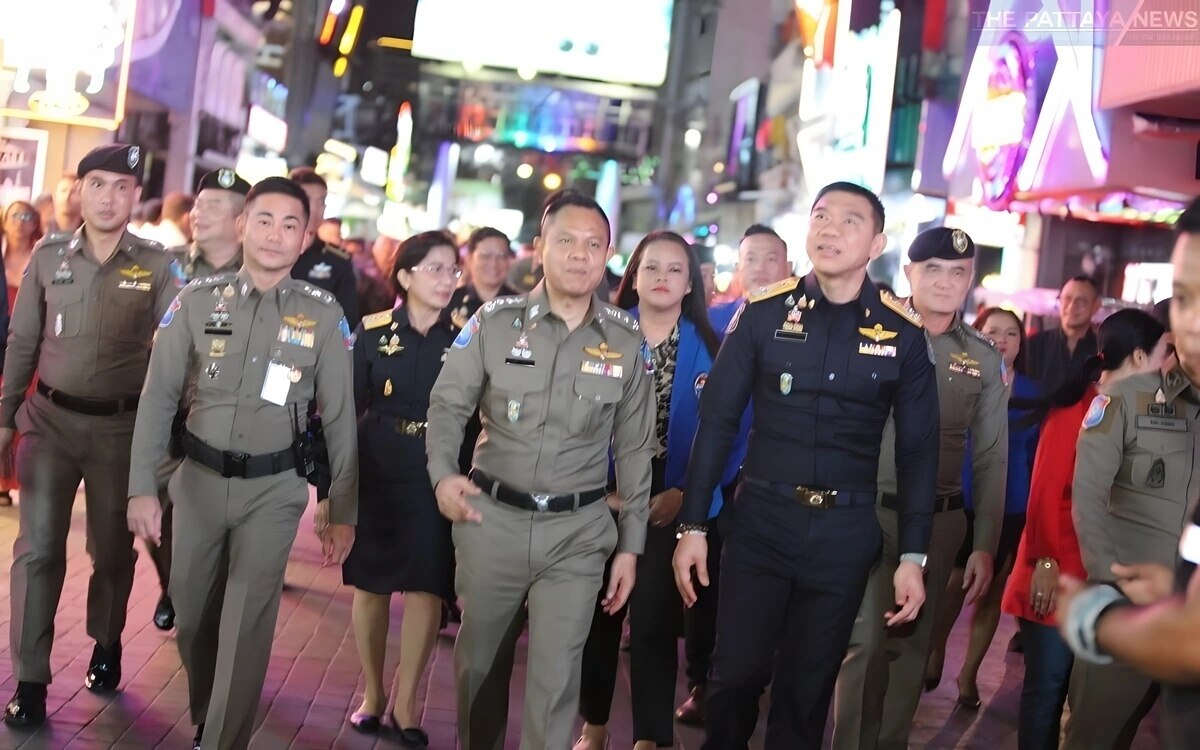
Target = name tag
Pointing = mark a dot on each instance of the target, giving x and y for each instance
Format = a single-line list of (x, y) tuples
[(877, 350), (140, 286), (782, 335), (277, 384), (1174, 424), (518, 361), (961, 369)]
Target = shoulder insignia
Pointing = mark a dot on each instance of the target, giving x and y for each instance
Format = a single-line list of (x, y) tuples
[(150, 244), (376, 320), (500, 303), (622, 317), (979, 335), (221, 278), (771, 290), (337, 251), (318, 293), (898, 306), (1095, 412)]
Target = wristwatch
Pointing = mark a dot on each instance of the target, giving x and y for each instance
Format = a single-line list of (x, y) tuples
[(915, 557)]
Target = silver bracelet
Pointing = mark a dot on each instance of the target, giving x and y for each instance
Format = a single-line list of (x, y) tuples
[(1081, 620)]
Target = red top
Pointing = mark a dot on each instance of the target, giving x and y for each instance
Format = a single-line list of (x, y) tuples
[(1049, 530)]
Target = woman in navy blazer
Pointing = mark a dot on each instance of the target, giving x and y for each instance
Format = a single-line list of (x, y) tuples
[(663, 288)]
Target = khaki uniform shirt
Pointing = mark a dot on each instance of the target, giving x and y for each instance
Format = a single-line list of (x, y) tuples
[(552, 403), (85, 328), (1135, 471), (972, 397), (190, 263), (295, 329)]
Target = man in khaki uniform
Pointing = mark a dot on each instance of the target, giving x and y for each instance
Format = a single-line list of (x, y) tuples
[(83, 323), (1135, 471), (559, 377), (215, 248), (879, 685), (258, 346)]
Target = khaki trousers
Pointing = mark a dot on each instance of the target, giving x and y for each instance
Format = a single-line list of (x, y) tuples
[(58, 449), (880, 683), (232, 539), (1107, 704), (555, 561)]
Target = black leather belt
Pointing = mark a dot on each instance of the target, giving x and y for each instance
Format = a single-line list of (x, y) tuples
[(535, 501), (231, 464), (813, 497), (410, 428), (93, 407), (953, 501)]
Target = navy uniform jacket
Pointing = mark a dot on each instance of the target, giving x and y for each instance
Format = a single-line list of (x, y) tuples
[(465, 302), (824, 378), (394, 370), (330, 269)]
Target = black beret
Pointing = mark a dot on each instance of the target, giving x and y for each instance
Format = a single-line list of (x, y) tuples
[(223, 179), (943, 243), (121, 158)]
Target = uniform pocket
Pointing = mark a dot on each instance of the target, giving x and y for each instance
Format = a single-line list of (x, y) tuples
[(64, 310), (129, 316), (595, 398), (514, 398), (1162, 465)]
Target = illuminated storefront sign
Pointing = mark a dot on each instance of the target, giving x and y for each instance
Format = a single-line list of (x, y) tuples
[(1004, 121), (64, 56)]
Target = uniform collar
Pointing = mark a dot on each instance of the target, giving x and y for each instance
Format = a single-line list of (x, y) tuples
[(537, 306), (868, 294), (125, 245), (245, 289), (1175, 383), (194, 254)]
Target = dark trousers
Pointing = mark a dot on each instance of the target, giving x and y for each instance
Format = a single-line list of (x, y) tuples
[(700, 620), (1048, 661), (792, 582), (655, 612)]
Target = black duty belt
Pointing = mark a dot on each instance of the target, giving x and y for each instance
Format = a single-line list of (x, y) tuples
[(93, 407), (535, 501), (953, 501), (813, 497), (230, 464)]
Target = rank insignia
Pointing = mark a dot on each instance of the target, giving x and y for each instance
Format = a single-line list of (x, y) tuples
[(218, 321), (521, 350), (1095, 412), (602, 369), (63, 275), (877, 350), (389, 347), (785, 383), (793, 324), (514, 410), (377, 320), (601, 352), (962, 364), (878, 334), (460, 316), (135, 272), (1160, 397), (217, 348)]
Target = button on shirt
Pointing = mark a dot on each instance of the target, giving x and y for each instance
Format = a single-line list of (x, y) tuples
[(553, 402), (822, 395), (83, 327), (294, 325)]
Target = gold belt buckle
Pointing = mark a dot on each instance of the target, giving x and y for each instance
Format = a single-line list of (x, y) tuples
[(815, 498)]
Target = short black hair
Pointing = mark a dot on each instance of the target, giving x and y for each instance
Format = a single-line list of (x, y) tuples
[(1189, 221), (1085, 279), (413, 251), (754, 229), (487, 233), (307, 176), (559, 200), (281, 186), (860, 191)]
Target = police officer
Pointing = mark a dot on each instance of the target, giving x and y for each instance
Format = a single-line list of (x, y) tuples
[(215, 248), (258, 346), (559, 377), (83, 322), (1135, 473), (880, 682), (320, 264), (489, 254), (826, 358)]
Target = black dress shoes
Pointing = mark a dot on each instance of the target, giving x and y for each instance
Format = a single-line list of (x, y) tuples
[(164, 614), (27, 707), (691, 712), (198, 738), (104, 674)]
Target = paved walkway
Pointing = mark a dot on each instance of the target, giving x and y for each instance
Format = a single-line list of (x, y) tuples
[(313, 681)]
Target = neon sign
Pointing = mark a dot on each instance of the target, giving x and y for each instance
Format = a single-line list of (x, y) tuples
[(1004, 122), (58, 66)]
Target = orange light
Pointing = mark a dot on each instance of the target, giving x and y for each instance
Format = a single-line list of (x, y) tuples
[(327, 29), (339, 67), (351, 35), (392, 42)]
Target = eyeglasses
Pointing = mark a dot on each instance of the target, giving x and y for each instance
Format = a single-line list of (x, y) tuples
[(437, 269), (24, 216)]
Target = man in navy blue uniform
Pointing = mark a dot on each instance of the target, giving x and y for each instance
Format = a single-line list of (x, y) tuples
[(826, 357)]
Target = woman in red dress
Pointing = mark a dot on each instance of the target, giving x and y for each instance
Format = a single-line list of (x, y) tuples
[(1130, 342), (22, 230)]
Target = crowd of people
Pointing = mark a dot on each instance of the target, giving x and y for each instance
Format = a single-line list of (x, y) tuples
[(806, 482)]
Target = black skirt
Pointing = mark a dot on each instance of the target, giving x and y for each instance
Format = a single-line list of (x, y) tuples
[(402, 542)]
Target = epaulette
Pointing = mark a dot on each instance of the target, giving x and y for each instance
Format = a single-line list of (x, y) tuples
[(500, 303), (376, 320), (897, 306), (220, 278), (979, 335), (621, 316), (149, 244), (771, 290), (58, 237), (317, 293), (337, 251)]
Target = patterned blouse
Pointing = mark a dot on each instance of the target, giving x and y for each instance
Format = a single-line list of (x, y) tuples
[(665, 355)]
